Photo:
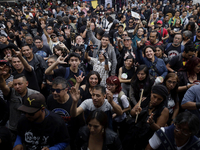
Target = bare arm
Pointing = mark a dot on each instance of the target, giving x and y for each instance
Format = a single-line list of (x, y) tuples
[(149, 147), (27, 67), (5, 89), (84, 34), (75, 95), (168, 68)]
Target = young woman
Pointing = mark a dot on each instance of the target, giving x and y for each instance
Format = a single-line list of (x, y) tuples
[(126, 73), (60, 49), (156, 65), (119, 123), (141, 80), (171, 82), (96, 135), (92, 79), (176, 28), (160, 53), (188, 75)]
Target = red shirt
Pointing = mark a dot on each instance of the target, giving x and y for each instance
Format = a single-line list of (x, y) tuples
[(164, 32)]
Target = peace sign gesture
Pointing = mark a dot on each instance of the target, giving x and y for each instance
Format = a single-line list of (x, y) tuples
[(80, 78)]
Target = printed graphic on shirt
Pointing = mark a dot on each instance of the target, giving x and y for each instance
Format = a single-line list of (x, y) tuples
[(34, 141), (172, 53), (63, 113), (42, 53), (196, 44)]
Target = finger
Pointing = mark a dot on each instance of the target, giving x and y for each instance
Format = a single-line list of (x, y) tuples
[(81, 74), (65, 57), (75, 76), (14, 51)]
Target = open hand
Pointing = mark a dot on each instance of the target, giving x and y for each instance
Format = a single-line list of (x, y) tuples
[(61, 60), (150, 119), (109, 96), (75, 94)]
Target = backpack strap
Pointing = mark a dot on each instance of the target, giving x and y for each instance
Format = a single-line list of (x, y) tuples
[(182, 48), (164, 140), (194, 38), (67, 73), (168, 45)]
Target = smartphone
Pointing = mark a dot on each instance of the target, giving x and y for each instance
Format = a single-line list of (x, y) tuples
[(93, 46)]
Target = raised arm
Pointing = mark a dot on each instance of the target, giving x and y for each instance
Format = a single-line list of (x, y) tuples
[(27, 67), (116, 108), (75, 95), (60, 60)]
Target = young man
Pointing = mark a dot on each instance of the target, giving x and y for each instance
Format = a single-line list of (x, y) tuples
[(153, 39), (98, 101), (68, 72), (163, 32), (180, 60), (39, 128), (36, 61), (40, 48), (22, 66)]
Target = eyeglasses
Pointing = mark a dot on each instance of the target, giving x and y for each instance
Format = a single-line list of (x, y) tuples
[(177, 128), (53, 37), (127, 39), (32, 114), (130, 21), (124, 35), (110, 85), (171, 82), (48, 28), (57, 90)]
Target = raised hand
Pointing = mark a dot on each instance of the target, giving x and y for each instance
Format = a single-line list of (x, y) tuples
[(138, 110), (17, 53), (61, 60), (67, 32), (80, 78), (75, 94), (109, 96), (2, 68), (150, 119)]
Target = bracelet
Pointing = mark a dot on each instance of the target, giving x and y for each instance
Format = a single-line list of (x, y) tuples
[(198, 105)]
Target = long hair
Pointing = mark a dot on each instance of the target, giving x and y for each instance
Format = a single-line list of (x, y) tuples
[(190, 65), (173, 92), (88, 76)]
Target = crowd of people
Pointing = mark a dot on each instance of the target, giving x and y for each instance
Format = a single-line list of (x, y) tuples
[(114, 76)]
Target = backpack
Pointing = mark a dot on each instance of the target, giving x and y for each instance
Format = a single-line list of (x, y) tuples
[(68, 71)]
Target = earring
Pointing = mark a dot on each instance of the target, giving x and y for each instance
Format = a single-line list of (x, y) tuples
[(103, 130)]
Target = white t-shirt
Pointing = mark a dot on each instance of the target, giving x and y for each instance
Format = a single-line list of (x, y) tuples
[(155, 142)]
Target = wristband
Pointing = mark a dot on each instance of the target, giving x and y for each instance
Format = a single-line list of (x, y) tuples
[(198, 105)]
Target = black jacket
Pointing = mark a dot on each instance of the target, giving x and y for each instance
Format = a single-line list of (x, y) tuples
[(111, 140)]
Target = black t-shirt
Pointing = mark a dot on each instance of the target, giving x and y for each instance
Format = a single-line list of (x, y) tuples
[(45, 134), (165, 25), (177, 62), (176, 29), (61, 72), (32, 62), (5, 136), (44, 51), (31, 78), (172, 51), (130, 30), (82, 28)]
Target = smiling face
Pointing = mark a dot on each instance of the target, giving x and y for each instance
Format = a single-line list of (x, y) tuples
[(93, 80), (141, 75), (98, 98), (149, 53), (16, 63), (128, 63), (27, 51)]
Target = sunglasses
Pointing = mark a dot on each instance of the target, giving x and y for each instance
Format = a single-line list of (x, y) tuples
[(130, 21), (32, 114), (57, 90), (127, 39), (124, 35), (53, 37)]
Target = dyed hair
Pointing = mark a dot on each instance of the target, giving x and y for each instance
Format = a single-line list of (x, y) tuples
[(114, 80)]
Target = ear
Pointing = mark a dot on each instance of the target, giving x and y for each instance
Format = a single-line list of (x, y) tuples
[(27, 83)]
